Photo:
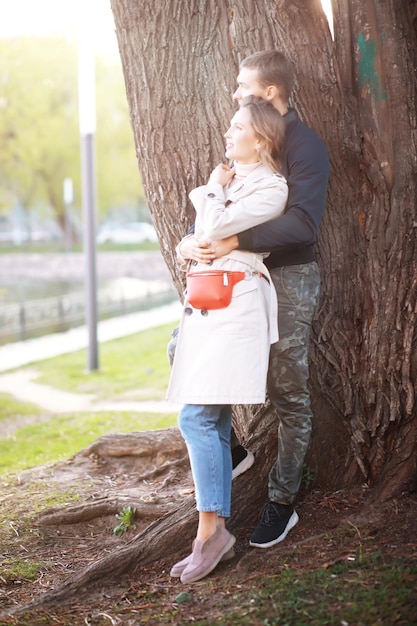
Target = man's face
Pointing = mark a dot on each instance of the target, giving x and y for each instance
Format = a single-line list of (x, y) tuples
[(248, 85)]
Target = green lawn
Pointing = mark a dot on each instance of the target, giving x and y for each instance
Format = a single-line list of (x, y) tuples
[(132, 368), (50, 438), (135, 366), (58, 247)]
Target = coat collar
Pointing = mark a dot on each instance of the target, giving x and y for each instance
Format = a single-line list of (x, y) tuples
[(258, 173), (262, 176)]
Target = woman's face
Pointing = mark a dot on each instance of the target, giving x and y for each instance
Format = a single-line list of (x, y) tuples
[(241, 139)]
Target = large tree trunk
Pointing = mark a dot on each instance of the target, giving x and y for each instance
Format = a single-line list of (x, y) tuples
[(364, 357), (173, 57), (180, 65), (180, 61)]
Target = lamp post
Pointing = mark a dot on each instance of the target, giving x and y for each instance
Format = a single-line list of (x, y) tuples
[(87, 116), (68, 200)]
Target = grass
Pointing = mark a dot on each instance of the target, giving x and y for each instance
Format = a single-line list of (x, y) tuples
[(13, 409), (133, 368), (56, 438), (19, 536), (368, 594), (16, 569), (136, 365), (370, 591), (58, 247), (372, 594)]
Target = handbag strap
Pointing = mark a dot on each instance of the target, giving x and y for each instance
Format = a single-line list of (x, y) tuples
[(236, 277)]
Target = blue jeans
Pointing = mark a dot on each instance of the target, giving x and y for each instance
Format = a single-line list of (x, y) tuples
[(206, 432)]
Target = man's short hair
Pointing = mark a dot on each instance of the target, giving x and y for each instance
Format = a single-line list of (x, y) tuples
[(273, 69)]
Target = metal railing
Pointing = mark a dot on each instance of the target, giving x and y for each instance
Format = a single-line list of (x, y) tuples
[(34, 318)]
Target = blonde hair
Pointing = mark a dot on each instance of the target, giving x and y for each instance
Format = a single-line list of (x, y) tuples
[(269, 126)]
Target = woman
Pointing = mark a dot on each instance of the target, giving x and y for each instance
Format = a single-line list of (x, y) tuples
[(249, 193)]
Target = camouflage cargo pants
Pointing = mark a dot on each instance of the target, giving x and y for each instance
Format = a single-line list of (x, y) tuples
[(297, 287)]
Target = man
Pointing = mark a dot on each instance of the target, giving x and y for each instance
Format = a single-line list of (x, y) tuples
[(290, 240)]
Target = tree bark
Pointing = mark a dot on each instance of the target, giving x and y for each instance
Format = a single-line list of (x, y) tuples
[(364, 363), (357, 95), (179, 101), (362, 368)]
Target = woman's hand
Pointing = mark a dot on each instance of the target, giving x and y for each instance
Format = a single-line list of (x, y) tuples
[(222, 174), (196, 250)]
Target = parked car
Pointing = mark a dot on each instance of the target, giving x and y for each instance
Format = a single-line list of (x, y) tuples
[(18, 237), (133, 232)]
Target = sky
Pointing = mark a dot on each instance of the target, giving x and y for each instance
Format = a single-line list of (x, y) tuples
[(60, 17), (63, 17), (327, 8), (88, 21)]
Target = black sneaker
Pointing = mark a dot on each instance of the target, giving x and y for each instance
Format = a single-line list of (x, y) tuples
[(276, 521), (242, 460)]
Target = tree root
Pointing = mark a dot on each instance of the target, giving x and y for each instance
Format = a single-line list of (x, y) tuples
[(163, 468), (149, 546), (87, 512)]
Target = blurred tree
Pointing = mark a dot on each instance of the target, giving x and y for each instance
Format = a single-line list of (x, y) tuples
[(39, 134), (39, 123), (119, 184)]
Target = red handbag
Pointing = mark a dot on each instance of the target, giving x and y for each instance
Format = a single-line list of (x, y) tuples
[(212, 289)]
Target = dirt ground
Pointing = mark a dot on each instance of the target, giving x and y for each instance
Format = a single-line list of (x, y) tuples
[(37, 557), (332, 529)]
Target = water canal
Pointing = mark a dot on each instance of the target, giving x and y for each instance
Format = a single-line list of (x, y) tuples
[(43, 294)]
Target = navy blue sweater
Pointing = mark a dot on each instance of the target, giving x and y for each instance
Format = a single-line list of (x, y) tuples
[(290, 238)]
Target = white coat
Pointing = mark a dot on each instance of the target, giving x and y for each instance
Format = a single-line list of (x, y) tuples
[(222, 355)]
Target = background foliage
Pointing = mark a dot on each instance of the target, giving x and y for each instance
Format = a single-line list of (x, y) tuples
[(39, 133)]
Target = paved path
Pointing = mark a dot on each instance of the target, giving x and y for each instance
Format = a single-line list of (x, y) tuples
[(21, 383), (14, 355)]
